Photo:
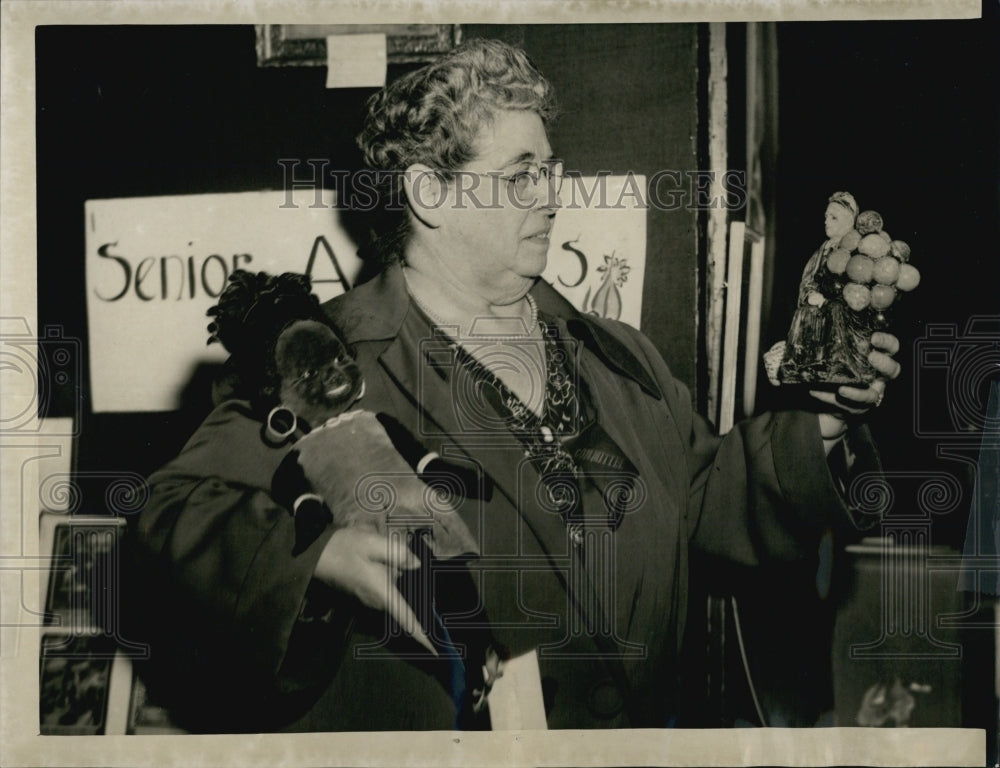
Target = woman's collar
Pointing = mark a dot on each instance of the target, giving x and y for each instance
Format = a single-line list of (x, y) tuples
[(376, 310)]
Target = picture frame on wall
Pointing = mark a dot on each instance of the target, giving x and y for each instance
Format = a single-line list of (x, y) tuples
[(282, 45), (75, 684), (84, 664), (81, 571)]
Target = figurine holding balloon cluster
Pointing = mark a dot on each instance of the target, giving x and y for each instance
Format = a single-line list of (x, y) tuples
[(846, 289)]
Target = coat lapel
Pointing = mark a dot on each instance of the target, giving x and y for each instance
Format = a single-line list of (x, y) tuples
[(426, 380), (425, 368)]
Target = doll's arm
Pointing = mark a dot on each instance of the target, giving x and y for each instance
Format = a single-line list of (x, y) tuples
[(291, 490), (428, 465)]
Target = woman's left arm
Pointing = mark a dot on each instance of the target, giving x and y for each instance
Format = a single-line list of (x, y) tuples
[(766, 490)]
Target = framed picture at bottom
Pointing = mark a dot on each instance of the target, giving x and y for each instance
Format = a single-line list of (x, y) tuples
[(74, 684)]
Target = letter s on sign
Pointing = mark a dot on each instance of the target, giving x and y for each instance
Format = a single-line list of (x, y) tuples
[(568, 246), (103, 253)]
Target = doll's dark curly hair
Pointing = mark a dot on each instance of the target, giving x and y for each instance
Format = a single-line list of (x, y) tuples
[(252, 312)]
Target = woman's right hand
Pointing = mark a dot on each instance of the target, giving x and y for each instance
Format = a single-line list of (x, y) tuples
[(366, 564)]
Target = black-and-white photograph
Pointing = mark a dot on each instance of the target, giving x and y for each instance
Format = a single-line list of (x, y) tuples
[(568, 380)]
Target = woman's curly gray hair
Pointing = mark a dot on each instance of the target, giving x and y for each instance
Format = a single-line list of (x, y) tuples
[(434, 115)]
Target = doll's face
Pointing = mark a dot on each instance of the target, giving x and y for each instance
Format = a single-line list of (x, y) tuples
[(319, 380)]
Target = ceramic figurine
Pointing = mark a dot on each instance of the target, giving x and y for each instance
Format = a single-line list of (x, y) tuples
[(847, 286)]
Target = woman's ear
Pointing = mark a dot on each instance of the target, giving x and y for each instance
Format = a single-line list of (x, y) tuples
[(426, 193)]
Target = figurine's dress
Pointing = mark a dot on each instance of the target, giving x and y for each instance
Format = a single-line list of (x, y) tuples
[(826, 343)]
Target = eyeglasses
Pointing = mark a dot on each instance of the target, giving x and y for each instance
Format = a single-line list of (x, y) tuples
[(525, 182)]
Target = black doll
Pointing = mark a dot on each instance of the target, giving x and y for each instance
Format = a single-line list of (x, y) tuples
[(344, 467)]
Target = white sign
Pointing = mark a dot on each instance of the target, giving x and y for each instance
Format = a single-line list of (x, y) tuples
[(156, 264), (597, 251)]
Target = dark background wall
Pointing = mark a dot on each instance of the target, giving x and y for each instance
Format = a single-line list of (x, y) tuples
[(906, 116), (178, 110), (157, 111), (629, 102)]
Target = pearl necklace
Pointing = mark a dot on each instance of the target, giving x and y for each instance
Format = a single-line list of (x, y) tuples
[(439, 321)]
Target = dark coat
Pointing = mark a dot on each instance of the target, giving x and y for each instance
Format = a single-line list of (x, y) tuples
[(608, 627), (763, 491)]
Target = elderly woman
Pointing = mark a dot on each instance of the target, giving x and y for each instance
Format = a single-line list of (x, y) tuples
[(604, 478), (473, 351)]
